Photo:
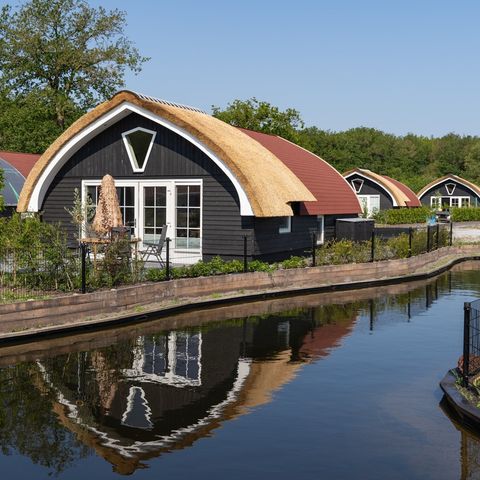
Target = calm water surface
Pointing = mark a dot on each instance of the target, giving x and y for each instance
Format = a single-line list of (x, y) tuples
[(335, 386)]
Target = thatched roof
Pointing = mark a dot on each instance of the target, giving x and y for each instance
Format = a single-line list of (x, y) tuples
[(475, 188), (402, 195), (268, 184)]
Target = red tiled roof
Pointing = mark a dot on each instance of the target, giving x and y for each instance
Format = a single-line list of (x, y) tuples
[(413, 199), (333, 194), (23, 162)]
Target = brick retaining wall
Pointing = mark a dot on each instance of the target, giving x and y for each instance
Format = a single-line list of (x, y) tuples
[(20, 316)]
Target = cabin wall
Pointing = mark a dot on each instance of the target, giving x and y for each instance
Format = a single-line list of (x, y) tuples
[(371, 188), (460, 191), (173, 157)]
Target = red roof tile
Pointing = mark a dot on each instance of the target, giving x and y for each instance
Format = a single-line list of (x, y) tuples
[(413, 199), (23, 162), (333, 194)]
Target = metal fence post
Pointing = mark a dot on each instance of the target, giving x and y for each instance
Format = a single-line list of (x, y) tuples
[(372, 255), (314, 249), (245, 252), (83, 253), (466, 342), (428, 238), (167, 260), (410, 235), (438, 235), (451, 233)]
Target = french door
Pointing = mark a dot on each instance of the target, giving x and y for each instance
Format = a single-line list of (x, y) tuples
[(149, 204)]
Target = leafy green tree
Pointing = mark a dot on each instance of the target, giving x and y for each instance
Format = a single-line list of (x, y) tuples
[(261, 116), (72, 54)]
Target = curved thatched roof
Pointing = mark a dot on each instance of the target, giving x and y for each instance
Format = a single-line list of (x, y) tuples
[(268, 184), (400, 193), (474, 188)]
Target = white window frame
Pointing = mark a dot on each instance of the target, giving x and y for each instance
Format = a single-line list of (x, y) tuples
[(450, 187), (171, 184), (131, 153), (366, 203), (436, 202), (463, 201), (286, 228), (360, 181), (321, 237)]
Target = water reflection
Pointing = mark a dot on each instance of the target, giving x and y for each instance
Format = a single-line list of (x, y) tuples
[(469, 445), (136, 392)]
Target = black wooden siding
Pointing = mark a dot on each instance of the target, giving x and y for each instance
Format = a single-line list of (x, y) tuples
[(460, 191), (172, 157), (371, 188)]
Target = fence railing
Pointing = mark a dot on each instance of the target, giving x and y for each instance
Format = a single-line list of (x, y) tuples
[(31, 273), (469, 364)]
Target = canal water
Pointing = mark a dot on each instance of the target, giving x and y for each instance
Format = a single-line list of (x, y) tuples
[(336, 386)]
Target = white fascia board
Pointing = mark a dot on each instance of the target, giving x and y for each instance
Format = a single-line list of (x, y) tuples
[(394, 202), (119, 112)]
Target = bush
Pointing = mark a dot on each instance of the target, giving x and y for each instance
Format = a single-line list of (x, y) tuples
[(465, 214), (294, 262), (396, 216), (343, 251)]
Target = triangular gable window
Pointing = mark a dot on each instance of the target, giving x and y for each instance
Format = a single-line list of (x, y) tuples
[(450, 187), (139, 143), (357, 185)]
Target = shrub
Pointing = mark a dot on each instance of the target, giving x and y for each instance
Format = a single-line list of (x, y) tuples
[(465, 214), (396, 216), (294, 262)]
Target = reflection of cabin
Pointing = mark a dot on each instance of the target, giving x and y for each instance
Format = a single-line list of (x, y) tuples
[(209, 182), (379, 192), (136, 400), (450, 191), (15, 168)]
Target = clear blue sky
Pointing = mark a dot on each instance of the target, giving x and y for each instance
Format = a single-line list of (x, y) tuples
[(400, 66)]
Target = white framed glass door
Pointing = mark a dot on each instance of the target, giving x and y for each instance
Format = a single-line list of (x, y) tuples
[(147, 205)]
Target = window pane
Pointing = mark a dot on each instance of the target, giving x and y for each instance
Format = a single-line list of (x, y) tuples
[(194, 218), (161, 196), (149, 218), (161, 217), (149, 196), (182, 198), (130, 196), (182, 217), (139, 142), (194, 233), (129, 218), (120, 195), (194, 200)]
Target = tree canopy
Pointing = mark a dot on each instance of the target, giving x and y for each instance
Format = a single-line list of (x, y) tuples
[(58, 58), (262, 117)]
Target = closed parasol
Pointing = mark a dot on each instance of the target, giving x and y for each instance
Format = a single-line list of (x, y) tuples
[(108, 214)]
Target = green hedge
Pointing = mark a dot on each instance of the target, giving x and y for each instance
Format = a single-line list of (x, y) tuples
[(469, 214), (396, 216)]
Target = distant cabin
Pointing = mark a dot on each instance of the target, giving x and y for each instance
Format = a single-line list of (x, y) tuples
[(211, 183), (379, 192), (450, 191), (15, 168)]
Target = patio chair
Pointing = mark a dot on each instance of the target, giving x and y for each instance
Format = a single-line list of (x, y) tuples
[(155, 248)]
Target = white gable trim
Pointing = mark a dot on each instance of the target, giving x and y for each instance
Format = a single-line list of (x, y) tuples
[(394, 202), (111, 117), (449, 179), (131, 154)]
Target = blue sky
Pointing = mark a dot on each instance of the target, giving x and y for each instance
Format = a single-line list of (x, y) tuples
[(400, 66)]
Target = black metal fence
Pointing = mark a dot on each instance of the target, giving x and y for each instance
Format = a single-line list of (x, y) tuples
[(29, 273), (469, 364)]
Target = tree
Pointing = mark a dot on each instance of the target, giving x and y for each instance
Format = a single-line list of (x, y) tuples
[(27, 123), (71, 54), (261, 116)]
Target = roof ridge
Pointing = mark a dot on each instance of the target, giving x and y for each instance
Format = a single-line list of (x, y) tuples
[(165, 102)]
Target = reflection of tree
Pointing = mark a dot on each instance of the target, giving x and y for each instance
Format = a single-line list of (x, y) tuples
[(29, 426)]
